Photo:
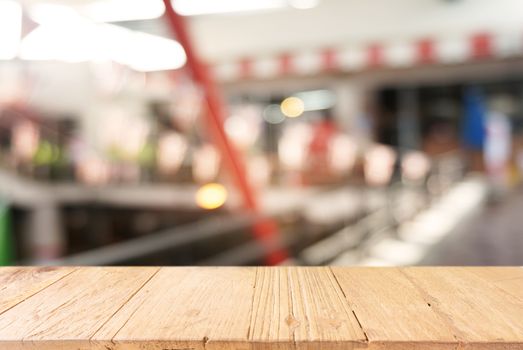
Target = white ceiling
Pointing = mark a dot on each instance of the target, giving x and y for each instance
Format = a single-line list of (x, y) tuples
[(337, 23)]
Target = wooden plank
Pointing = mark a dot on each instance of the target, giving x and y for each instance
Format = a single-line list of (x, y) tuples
[(261, 308), (301, 308), (68, 313), (186, 308), (483, 316), (272, 321), (392, 311), (18, 284)]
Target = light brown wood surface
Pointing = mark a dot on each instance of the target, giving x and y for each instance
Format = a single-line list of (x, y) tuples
[(222, 308)]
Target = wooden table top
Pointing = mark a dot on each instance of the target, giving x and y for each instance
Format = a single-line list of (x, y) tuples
[(221, 308)]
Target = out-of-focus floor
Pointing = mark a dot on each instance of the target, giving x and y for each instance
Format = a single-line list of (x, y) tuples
[(492, 237)]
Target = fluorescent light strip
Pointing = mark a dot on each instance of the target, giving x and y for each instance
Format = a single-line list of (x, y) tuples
[(147, 53), (99, 11), (10, 28), (122, 10), (204, 7), (65, 35), (317, 100)]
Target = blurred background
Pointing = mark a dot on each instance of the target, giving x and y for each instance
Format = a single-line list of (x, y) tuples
[(230, 132)]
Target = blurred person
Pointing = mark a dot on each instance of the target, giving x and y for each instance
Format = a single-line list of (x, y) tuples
[(473, 129), (498, 146), (323, 133), (441, 138)]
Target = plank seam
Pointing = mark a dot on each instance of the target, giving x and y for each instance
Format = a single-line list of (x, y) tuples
[(291, 306), (124, 303), (433, 302), (347, 299), (252, 303), (38, 291), (494, 285)]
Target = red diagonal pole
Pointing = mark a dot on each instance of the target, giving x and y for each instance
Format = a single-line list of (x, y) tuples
[(216, 110), (265, 230)]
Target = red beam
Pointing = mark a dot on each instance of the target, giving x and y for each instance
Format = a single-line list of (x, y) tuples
[(216, 110), (266, 230)]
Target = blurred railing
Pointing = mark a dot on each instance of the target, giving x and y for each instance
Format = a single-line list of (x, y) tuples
[(316, 229), (393, 206)]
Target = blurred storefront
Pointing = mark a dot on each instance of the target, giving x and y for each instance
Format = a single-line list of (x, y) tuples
[(376, 109)]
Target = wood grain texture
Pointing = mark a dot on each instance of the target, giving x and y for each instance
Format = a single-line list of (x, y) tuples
[(392, 310), (18, 284), (186, 308), (190, 308), (481, 314), (509, 279), (302, 307), (69, 312)]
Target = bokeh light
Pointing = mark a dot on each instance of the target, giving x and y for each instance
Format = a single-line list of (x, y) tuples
[(172, 148), (415, 166), (206, 163), (292, 107), (211, 196), (379, 165), (272, 114), (26, 137)]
